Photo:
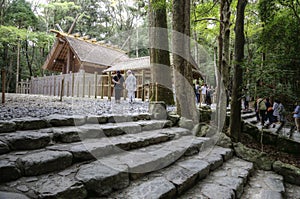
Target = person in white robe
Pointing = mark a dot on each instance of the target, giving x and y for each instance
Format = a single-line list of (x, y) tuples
[(130, 85)]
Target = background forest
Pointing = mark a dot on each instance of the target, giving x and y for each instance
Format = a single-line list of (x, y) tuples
[(272, 36)]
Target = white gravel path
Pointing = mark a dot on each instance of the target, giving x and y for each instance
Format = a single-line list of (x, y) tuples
[(21, 105)]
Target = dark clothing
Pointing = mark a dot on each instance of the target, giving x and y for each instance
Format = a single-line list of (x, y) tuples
[(118, 87)]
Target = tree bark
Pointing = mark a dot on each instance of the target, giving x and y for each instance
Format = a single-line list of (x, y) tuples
[(235, 113), (185, 97), (159, 53)]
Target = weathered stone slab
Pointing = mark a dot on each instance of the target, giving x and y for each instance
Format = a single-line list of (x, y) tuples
[(3, 148), (155, 188), (62, 120), (148, 125), (195, 145), (30, 123), (186, 123), (102, 179), (59, 187), (26, 140), (10, 195), (233, 183), (158, 110), (7, 126), (44, 162), (9, 171), (216, 191), (115, 129), (119, 118), (141, 116), (225, 152), (182, 178), (66, 134), (97, 119), (265, 184), (214, 160), (290, 173), (199, 166)]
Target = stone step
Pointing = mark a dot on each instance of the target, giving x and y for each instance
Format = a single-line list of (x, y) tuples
[(174, 180), (248, 115), (106, 174), (26, 163), (36, 139), (226, 182), (76, 134), (32, 123), (90, 149), (264, 184)]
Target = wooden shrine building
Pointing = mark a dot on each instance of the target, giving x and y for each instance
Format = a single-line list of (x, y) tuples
[(71, 53)]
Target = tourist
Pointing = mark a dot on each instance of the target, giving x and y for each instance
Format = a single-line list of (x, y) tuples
[(269, 111), (276, 111), (118, 81), (282, 115), (203, 93), (130, 85), (262, 110), (297, 116), (197, 93)]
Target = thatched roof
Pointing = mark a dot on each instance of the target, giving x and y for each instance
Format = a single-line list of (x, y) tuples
[(94, 53), (144, 63), (86, 53), (131, 64)]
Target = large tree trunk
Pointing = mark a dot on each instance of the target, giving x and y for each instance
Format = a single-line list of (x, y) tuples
[(159, 53), (235, 113), (185, 97), (223, 62)]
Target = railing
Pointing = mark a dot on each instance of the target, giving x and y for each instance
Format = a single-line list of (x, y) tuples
[(80, 84)]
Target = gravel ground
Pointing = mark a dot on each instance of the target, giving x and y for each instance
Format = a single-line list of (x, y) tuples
[(21, 105)]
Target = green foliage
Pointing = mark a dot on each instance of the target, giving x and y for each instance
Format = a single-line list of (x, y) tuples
[(20, 14)]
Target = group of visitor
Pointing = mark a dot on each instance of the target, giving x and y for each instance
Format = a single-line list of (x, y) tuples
[(271, 112), (203, 93), (130, 85), (274, 113)]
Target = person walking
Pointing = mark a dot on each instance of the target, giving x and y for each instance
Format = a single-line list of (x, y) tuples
[(276, 111), (262, 110), (203, 93), (296, 115), (197, 93), (118, 81), (130, 85)]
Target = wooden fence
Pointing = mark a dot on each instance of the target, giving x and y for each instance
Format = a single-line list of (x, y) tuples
[(80, 84)]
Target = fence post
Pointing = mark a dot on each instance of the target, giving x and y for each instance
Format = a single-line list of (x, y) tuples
[(3, 75), (156, 91), (143, 87), (102, 88), (96, 83), (54, 86), (83, 84), (77, 88), (62, 89), (109, 86), (73, 83), (89, 89), (27, 86)]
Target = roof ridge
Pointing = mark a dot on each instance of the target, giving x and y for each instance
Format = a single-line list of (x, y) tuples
[(88, 41)]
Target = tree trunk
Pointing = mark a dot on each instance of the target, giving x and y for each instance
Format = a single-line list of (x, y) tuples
[(159, 53), (235, 113), (185, 97), (223, 62)]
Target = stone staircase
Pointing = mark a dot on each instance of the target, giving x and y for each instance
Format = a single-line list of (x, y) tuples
[(118, 156)]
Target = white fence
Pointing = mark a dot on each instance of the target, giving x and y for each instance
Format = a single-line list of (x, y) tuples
[(78, 85)]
